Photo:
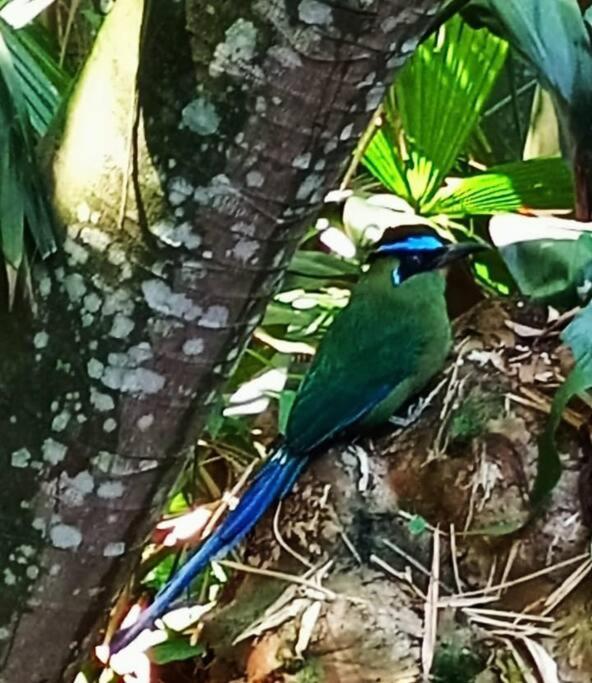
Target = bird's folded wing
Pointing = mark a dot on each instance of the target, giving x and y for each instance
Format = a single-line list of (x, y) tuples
[(343, 387)]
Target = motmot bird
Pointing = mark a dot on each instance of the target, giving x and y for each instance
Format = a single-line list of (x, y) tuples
[(381, 350)]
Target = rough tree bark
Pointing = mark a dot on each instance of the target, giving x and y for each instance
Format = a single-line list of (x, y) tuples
[(185, 173)]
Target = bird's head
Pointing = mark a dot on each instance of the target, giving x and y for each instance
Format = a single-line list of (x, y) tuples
[(419, 249)]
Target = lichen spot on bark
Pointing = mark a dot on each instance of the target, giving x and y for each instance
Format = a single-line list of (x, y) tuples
[(245, 251), (20, 458), (238, 48), (65, 536), (110, 490), (216, 317), (200, 116), (174, 235), (114, 549), (315, 13), (193, 347), (53, 451), (145, 422)]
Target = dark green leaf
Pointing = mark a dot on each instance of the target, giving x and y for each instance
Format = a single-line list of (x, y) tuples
[(578, 335), (42, 82), (549, 270), (11, 208), (301, 321), (283, 314), (22, 192), (215, 419), (285, 406), (318, 265), (552, 36), (175, 650), (491, 271)]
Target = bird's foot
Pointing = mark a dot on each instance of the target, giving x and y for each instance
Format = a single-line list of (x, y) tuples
[(416, 410), (413, 414)]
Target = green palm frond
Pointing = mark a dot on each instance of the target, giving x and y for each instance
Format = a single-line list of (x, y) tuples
[(432, 108), (383, 159), (541, 184), (31, 90), (43, 83), (21, 192)]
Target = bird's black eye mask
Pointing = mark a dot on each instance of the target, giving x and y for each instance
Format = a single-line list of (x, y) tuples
[(412, 263), (415, 252)]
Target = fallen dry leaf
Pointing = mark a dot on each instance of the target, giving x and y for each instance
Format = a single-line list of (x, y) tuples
[(524, 331), (263, 659)]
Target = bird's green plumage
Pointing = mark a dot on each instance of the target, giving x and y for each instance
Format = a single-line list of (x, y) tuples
[(380, 351)]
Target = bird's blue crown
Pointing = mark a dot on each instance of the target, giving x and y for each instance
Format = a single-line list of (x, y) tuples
[(411, 243), (419, 249), (416, 249)]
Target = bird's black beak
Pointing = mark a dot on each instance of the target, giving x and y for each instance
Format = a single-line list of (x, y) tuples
[(455, 252)]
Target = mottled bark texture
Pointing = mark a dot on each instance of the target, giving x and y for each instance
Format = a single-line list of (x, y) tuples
[(186, 172)]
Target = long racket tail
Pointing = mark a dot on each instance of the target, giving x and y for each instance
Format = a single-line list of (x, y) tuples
[(274, 480)]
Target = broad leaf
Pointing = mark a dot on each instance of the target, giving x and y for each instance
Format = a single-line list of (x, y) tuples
[(538, 184), (366, 218), (304, 313), (175, 650), (320, 268), (552, 36), (549, 270), (578, 335)]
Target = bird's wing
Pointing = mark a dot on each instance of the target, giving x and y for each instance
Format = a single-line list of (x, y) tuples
[(366, 354)]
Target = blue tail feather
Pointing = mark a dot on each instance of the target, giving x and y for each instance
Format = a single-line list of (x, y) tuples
[(273, 481)]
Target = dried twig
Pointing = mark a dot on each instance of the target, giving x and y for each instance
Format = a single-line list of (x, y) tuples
[(367, 136), (405, 577), (282, 576), (454, 558), (228, 499), (528, 577), (412, 561), (428, 644), (283, 543), (567, 586)]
